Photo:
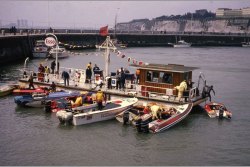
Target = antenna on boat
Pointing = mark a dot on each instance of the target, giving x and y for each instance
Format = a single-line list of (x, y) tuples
[(25, 62), (107, 45), (201, 77)]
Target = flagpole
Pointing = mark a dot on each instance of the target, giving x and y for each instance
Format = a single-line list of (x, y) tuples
[(107, 57), (107, 45)]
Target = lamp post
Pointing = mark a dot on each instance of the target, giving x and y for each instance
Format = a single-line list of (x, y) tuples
[(57, 48)]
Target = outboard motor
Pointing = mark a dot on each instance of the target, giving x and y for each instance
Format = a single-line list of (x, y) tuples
[(144, 125), (65, 116), (221, 112), (47, 107), (138, 125), (125, 117)]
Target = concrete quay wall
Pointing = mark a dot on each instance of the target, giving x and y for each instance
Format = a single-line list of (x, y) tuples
[(19, 46)]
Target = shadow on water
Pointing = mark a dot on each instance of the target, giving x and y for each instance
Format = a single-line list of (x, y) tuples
[(28, 111)]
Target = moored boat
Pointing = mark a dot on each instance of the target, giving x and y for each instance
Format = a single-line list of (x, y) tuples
[(61, 52), (42, 99), (40, 50), (67, 101), (181, 112), (181, 44), (6, 90), (217, 110), (245, 44), (26, 91), (90, 114)]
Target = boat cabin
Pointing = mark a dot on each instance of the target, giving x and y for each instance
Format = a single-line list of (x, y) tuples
[(161, 79)]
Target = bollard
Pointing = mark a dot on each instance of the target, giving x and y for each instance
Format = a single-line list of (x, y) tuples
[(45, 31), (3, 32), (66, 31)]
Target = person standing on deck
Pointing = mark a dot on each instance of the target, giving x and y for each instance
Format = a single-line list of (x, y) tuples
[(31, 85), (96, 69), (99, 99), (65, 76), (88, 74), (53, 66), (207, 91), (41, 71), (137, 72), (123, 77), (181, 88), (47, 71)]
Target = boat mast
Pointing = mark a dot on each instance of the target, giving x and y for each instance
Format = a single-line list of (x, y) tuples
[(107, 45)]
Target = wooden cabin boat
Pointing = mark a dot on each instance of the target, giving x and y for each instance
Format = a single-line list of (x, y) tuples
[(157, 81)]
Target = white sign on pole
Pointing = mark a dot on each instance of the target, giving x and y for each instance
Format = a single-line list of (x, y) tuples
[(50, 41)]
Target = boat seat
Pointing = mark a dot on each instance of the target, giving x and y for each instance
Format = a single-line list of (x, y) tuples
[(152, 95), (132, 93), (165, 97)]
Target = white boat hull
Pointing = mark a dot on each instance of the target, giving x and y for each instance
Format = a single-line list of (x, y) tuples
[(103, 115), (246, 45), (161, 125), (40, 54), (59, 55), (182, 46)]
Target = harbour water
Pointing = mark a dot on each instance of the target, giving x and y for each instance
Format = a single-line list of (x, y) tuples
[(30, 136)]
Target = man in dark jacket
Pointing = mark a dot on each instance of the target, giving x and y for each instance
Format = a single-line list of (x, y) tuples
[(65, 76), (88, 74), (52, 66)]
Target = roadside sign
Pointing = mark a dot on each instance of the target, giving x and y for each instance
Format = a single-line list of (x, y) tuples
[(50, 41)]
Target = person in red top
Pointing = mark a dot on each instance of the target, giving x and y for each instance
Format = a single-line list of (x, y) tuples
[(146, 110)]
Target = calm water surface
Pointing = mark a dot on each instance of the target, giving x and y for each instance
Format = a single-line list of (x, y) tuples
[(32, 137)]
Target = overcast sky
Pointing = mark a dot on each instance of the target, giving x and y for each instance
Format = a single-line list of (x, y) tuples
[(95, 14)]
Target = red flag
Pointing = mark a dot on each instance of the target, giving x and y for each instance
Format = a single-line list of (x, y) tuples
[(140, 63), (104, 31)]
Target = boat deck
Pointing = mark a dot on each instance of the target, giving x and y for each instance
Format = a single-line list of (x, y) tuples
[(150, 96)]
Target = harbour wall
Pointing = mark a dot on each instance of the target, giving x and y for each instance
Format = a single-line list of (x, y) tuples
[(19, 46)]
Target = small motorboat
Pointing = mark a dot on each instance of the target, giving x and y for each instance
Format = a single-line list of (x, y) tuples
[(6, 90), (181, 44), (245, 44), (41, 99), (53, 104), (178, 113), (217, 110), (90, 113), (146, 120), (61, 52), (26, 91), (40, 50)]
